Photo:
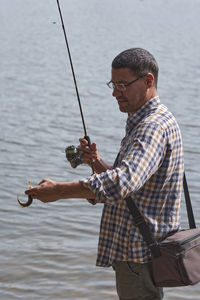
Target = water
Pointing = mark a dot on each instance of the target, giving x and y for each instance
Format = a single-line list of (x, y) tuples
[(48, 251)]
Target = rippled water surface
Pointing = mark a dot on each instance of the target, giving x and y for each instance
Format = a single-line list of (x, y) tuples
[(48, 251)]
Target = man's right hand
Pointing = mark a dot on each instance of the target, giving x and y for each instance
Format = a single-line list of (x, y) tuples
[(90, 153), (91, 156)]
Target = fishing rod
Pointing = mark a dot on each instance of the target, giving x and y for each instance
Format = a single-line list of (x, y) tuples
[(72, 152), (72, 69)]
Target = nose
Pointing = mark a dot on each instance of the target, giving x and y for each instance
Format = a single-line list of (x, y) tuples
[(116, 92)]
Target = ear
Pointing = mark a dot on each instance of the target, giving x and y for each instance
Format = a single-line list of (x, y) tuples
[(149, 80)]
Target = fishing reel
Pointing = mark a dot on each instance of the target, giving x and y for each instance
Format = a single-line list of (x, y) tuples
[(74, 156)]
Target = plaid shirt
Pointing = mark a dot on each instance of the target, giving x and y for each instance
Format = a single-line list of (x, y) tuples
[(149, 168)]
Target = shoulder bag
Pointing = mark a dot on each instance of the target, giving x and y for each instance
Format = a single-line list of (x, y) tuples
[(175, 259)]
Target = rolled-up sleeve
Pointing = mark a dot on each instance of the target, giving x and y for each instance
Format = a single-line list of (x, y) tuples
[(142, 155)]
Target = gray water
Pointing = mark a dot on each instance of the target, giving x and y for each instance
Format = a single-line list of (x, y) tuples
[(48, 251)]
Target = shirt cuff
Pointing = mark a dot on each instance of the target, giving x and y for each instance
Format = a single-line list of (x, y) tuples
[(86, 182)]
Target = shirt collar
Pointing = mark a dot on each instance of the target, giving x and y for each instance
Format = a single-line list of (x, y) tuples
[(133, 119)]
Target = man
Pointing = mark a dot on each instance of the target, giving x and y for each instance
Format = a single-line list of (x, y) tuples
[(148, 168)]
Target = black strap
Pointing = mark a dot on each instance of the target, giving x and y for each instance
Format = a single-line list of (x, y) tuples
[(188, 204), (144, 229), (140, 222)]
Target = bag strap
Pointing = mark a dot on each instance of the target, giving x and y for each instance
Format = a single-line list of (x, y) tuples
[(144, 229), (188, 204)]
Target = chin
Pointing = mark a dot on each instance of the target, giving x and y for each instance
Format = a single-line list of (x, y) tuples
[(123, 109)]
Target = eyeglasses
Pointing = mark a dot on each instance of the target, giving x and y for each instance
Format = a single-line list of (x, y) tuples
[(121, 86)]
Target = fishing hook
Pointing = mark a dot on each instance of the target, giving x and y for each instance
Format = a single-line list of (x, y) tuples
[(30, 199)]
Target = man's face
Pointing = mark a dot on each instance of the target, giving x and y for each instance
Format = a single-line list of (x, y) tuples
[(134, 96)]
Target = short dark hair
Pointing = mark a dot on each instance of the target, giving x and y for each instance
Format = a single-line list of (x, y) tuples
[(139, 61)]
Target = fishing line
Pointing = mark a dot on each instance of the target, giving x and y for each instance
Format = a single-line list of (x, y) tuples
[(73, 74)]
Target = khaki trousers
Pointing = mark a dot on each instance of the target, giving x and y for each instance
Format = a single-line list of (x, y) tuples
[(135, 281)]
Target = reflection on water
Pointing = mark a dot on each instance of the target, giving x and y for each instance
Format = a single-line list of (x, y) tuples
[(48, 251)]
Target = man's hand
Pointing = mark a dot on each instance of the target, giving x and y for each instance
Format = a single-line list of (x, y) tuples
[(46, 191), (91, 156), (50, 191), (90, 153)]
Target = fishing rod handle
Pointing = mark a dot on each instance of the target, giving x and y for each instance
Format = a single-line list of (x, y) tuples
[(87, 138)]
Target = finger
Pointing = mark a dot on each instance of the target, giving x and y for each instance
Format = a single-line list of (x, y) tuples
[(30, 191), (34, 196), (93, 147), (83, 142), (85, 149), (43, 181)]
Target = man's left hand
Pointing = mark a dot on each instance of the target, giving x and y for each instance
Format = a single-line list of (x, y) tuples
[(46, 191)]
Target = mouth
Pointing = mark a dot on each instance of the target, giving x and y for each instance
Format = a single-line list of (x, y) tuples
[(122, 102)]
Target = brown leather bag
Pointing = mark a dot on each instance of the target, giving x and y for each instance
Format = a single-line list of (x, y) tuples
[(179, 260), (176, 259)]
